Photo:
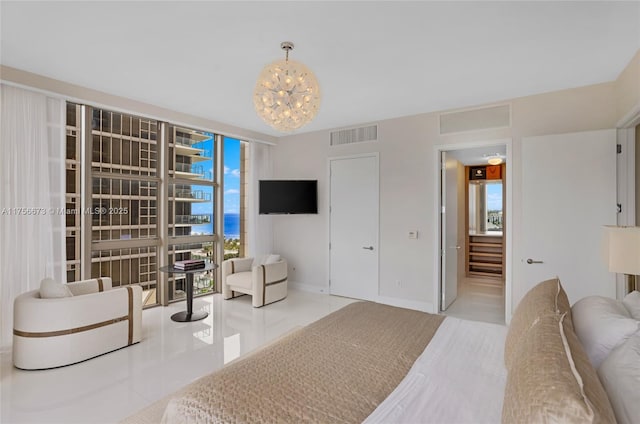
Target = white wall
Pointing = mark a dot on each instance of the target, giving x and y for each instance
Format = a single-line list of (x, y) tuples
[(407, 186), (627, 88), (638, 175)]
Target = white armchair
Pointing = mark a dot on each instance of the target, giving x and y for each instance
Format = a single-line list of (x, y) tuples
[(97, 319), (266, 283)]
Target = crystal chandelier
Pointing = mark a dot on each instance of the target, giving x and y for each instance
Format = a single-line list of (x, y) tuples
[(287, 94)]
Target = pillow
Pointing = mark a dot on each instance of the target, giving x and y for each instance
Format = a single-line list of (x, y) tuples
[(632, 303), (259, 260), (272, 259), (552, 381), (50, 289), (546, 298), (602, 324), (620, 376), (593, 390), (265, 260)]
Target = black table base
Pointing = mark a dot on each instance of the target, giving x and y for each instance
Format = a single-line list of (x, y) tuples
[(189, 315), (185, 316)]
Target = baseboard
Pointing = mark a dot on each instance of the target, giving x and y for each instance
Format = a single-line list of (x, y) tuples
[(406, 303), (312, 288), (393, 301)]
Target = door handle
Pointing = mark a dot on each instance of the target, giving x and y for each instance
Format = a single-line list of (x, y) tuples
[(455, 247), (531, 261), (368, 248)]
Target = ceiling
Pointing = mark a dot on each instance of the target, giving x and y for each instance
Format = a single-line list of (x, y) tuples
[(478, 155), (374, 60)]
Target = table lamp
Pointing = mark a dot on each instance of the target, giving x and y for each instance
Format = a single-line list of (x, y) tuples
[(621, 248)]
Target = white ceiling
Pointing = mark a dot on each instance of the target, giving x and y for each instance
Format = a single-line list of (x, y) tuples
[(374, 60), (478, 155)]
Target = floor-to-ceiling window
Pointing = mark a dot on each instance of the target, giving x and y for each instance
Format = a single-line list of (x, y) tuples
[(73, 200), (235, 193), (139, 190), (112, 199), (191, 212)]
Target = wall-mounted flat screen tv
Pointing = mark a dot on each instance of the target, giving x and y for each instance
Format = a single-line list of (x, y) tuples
[(288, 197)]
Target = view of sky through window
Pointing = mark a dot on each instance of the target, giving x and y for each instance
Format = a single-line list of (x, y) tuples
[(231, 190)]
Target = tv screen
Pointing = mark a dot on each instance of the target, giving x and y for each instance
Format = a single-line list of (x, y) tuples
[(288, 197)]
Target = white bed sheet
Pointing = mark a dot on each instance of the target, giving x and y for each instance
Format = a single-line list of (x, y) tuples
[(459, 378)]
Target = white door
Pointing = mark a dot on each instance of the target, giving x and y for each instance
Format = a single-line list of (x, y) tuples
[(449, 233), (569, 193), (354, 227)]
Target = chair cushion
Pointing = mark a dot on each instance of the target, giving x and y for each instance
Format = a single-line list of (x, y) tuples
[(240, 279), (259, 260), (272, 259), (50, 289), (265, 260)]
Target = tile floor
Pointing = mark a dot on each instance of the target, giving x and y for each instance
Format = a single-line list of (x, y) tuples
[(111, 387), (478, 300)]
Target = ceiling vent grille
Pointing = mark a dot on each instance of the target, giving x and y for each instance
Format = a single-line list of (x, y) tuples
[(354, 135)]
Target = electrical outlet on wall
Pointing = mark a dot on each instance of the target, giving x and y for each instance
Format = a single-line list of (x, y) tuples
[(413, 234)]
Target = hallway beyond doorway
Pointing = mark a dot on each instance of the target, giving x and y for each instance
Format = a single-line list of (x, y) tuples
[(479, 299)]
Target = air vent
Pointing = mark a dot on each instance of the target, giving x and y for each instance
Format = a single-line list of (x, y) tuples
[(476, 119), (354, 135)]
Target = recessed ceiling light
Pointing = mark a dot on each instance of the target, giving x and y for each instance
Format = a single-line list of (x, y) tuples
[(493, 158)]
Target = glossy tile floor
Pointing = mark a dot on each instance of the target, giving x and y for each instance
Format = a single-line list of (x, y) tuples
[(478, 300), (113, 386)]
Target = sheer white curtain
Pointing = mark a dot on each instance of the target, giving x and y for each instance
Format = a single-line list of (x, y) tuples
[(260, 231), (32, 194)]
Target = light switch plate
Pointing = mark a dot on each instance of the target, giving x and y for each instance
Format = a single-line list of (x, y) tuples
[(413, 234)]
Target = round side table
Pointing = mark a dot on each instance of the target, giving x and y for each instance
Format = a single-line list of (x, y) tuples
[(189, 315)]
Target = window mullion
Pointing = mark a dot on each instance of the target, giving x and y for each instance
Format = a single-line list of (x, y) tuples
[(163, 209), (85, 192)]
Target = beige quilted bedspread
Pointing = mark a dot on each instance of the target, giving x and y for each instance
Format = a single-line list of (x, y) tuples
[(336, 370)]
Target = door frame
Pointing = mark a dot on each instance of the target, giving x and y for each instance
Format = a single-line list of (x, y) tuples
[(376, 156), (437, 222), (445, 220), (626, 183)]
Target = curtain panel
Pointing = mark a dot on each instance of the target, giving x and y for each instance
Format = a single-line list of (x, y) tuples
[(32, 196)]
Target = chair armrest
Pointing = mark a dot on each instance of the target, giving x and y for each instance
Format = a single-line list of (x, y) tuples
[(274, 272)]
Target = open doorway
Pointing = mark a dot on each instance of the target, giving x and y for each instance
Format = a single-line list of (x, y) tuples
[(473, 234)]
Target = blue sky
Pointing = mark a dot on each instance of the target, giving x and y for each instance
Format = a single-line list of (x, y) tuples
[(494, 196), (231, 177)]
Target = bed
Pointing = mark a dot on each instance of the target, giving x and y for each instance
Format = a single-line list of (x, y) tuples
[(375, 363)]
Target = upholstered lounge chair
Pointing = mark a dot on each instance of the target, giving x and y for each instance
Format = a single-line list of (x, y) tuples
[(265, 282), (97, 319)]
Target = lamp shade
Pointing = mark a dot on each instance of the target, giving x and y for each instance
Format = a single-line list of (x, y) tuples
[(621, 249)]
